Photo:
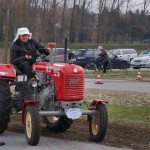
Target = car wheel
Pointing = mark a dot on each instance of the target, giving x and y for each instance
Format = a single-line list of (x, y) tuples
[(136, 67), (123, 65)]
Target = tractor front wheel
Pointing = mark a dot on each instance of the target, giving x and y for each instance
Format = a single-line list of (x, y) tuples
[(57, 124), (32, 125), (5, 102), (98, 124)]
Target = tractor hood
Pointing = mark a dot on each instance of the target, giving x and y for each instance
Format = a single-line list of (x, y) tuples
[(7, 72), (66, 68)]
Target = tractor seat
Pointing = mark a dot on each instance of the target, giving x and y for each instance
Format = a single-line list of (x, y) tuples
[(18, 71)]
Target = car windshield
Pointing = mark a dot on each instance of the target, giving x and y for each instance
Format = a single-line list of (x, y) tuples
[(112, 50), (59, 51), (111, 55), (78, 52), (145, 52)]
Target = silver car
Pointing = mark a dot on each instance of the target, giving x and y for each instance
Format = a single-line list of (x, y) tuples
[(140, 62), (125, 53)]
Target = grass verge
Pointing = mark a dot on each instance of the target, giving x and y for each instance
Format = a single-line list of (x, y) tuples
[(124, 107), (124, 114), (121, 74)]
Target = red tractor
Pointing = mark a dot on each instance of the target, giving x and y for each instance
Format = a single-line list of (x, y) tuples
[(56, 97)]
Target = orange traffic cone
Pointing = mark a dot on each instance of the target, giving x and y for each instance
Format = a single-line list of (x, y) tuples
[(99, 81), (138, 75)]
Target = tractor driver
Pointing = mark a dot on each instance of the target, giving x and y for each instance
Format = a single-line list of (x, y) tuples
[(23, 51)]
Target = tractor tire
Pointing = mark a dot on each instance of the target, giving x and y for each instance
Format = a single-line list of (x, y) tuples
[(5, 105), (32, 125), (98, 124), (57, 124)]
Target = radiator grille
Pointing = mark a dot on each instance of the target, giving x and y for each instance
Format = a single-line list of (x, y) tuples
[(73, 87)]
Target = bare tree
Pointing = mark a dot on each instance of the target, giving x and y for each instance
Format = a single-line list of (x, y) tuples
[(72, 23), (128, 2), (5, 6), (63, 20), (101, 5)]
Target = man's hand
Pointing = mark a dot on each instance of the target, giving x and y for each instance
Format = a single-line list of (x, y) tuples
[(28, 57), (48, 50)]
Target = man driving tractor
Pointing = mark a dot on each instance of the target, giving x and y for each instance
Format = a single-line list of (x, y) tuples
[(23, 52)]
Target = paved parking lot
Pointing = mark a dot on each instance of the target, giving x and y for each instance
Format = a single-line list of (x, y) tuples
[(17, 141), (120, 85)]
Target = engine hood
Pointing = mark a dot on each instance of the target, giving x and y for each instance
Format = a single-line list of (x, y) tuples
[(47, 67), (142, 58)]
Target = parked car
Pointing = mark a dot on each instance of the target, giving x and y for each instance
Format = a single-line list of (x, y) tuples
[(84, 56), (58, 54), (115, 62), (141, 62), (144, 53), (126, 53)]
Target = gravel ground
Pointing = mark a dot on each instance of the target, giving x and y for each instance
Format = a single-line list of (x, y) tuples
[(135, 136)]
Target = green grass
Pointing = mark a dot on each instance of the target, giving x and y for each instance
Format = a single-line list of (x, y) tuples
[(121, 74), (129, 114)]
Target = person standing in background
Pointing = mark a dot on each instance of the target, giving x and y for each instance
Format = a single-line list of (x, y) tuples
[(105, 58)]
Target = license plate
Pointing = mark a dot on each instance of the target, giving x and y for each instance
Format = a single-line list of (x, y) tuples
[(73, 113), (73, 59)]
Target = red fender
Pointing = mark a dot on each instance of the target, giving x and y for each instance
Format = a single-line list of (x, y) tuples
[(96, 102), (7, 72), (94, 105), (27, 102)]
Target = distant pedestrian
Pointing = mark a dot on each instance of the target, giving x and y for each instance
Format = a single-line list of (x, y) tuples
[(105, 58)]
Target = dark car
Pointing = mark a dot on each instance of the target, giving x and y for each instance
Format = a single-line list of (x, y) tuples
[(83, 56), (117, 62)]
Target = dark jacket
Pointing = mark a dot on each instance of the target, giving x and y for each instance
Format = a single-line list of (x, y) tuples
[(104, 56), (19, 49)]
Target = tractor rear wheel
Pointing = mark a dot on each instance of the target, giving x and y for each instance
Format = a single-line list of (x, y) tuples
[(98, 124), (5, 107), (32, 125), (57, 124)]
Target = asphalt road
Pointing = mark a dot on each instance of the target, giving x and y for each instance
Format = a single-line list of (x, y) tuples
[(17, 141), (120, 85)]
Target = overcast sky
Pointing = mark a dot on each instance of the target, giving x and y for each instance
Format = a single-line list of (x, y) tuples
[(136, 4), (133, 5)]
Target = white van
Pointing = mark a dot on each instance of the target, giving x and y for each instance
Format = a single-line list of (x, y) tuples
[(125, 53)]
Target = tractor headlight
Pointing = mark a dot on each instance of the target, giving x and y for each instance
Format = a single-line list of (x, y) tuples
[(34, 82), (75, 70)]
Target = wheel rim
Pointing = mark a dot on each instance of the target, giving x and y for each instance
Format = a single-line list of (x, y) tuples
[(52, 119), (95, 124), (28, 124)]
